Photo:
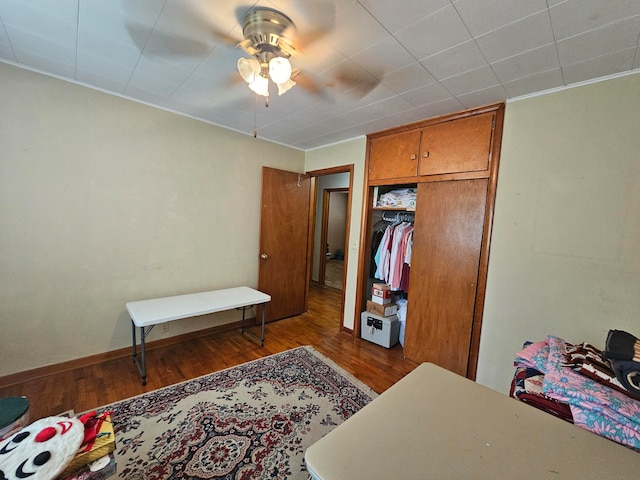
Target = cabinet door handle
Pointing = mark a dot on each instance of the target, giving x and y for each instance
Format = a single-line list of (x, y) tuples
[(425, 155), (414, 157)]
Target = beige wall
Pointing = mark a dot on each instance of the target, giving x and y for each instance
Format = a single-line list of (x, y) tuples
[(565, 254), (103, 201)]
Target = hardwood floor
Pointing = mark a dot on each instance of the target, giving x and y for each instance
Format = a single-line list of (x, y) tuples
[(334, 273), (88, 387)]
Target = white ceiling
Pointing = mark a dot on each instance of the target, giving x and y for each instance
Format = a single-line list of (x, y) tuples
[(425, 57)]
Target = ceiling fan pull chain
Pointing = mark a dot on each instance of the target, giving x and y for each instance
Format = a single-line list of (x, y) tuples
[(255, 117)]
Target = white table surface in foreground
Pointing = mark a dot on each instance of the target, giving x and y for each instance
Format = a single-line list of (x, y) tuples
[(159, 310), (434, 424)]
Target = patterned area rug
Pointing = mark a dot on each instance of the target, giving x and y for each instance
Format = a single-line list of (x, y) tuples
[(251, 421)]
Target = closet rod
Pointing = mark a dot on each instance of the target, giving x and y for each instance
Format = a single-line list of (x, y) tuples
[(398, 217)]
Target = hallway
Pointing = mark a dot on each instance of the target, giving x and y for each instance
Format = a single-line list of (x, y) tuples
[(334, 273)]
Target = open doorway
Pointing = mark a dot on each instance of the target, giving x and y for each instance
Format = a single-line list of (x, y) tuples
[(330, 225), (332, 237)]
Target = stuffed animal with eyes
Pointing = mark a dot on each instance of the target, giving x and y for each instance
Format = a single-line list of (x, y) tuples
[(41, 450)]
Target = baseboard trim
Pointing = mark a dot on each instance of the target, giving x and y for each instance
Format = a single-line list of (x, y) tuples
[(347, 329), (24, 376)]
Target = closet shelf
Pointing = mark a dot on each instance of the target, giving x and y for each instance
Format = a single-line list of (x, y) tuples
[(395, 209)]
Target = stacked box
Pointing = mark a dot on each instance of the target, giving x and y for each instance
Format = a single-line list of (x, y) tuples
[(381, 294), (381, 289), (382, 310), (384, 331)]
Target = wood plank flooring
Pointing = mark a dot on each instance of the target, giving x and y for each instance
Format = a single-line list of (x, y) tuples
[(334, 273), (91, 386)]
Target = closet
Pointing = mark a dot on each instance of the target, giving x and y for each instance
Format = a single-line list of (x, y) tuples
[(451, 164)]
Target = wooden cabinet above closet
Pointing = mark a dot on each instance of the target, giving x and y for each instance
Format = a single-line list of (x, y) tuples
[(441, 146), (462, 145), (394, 156)]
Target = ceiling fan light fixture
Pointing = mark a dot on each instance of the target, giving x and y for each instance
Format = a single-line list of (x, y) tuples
[(260, 85), (280, 70), (264, 30), (284, 87), (249, 69)]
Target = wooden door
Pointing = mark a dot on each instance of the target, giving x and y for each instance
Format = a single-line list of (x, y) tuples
[(461, 145), (447, 240), (284, 234), (394, 156)]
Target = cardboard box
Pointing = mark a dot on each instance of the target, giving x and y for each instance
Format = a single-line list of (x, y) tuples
[(376, 292), (384, 331), (382, 310), (104, 444), (100, 469), (380, 300), (381, 286)]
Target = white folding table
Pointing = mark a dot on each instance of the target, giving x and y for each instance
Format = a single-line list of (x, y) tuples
[(434, 424), (145, 314)]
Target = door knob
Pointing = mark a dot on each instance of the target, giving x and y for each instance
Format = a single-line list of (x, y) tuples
[(264, 256)]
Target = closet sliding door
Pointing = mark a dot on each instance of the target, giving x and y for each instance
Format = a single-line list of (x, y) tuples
[(447, 242)]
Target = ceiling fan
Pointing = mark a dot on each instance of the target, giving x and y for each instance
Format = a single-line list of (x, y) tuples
[(265, 32), (269, 38)]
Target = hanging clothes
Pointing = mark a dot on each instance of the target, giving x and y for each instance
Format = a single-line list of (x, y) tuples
[(406, 267), (382, 254), (375, 243), (391, 255)]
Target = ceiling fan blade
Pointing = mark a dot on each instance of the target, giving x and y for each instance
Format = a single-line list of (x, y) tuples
[(225, 37), (317, 19), (306, 82), (354, 81), (185, 28), (160, 43), (304, 40), (246, 46), (316, 10)]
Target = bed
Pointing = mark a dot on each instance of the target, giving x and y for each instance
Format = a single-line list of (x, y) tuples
[(573, 382)]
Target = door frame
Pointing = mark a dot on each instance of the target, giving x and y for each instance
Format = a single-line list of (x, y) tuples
[(312, 217)]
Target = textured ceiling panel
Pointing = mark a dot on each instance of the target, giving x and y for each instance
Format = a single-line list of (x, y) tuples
[(366, 65)]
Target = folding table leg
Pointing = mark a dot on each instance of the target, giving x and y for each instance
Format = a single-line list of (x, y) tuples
[(143, 359), (249, 332), (133, 334), (142, 362), (264, 309)]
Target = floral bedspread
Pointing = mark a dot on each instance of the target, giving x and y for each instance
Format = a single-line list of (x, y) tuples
[(595, 407)]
